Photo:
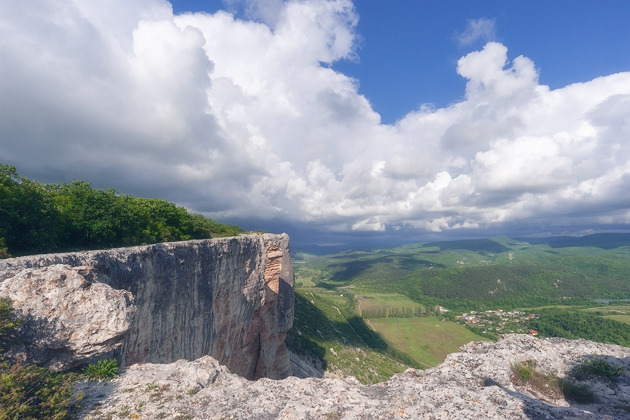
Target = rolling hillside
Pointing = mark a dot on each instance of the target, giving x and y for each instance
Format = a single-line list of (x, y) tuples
[(408, 300)]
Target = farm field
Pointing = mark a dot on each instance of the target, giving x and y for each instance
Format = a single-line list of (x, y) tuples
[(427, 339), (414, 304), (621, 318), (619, 313)]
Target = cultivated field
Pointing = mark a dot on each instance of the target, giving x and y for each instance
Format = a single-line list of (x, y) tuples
[(427, 339), (384, 309)]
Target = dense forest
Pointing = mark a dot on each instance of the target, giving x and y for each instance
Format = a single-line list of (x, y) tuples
[(555, 322), (37, 218), (463, 277)]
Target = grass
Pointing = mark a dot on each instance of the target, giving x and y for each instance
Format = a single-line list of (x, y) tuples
[(597, 367), (620, 318), (548, 386), (103, 369), (580, 393), (321, 331), (427, 339)]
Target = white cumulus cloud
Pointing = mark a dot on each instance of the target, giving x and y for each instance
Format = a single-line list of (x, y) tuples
[(245, 119)]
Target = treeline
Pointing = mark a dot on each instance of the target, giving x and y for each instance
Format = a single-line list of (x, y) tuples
[(37, 218), (399, 312), (517, 285), (555, 322), (534, 278)]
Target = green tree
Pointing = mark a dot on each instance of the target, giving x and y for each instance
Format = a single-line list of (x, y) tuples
[(36, 218), (28, 218)]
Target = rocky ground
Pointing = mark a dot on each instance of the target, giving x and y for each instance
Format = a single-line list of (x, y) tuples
[(475, 383)]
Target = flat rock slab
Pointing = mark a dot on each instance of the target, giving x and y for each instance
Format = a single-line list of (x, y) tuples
[(472, 384)]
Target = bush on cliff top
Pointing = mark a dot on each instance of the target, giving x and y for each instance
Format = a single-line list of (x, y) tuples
[(36, 218)]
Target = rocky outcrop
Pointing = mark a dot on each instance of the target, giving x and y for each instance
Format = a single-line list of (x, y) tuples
[(230, 298), (475, 383), (69, 315)]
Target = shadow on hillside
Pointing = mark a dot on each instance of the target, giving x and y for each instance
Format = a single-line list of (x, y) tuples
[(370, 337), (311, 326), (610, 397), (347, 270), (475, 245)]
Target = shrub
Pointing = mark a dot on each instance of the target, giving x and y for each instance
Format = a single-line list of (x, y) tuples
[(523, 371), (32, 392), (103, 369), (580, 393), (597, 367), (526, 374)]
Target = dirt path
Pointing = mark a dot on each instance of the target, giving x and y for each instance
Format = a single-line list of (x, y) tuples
[(359, 306)]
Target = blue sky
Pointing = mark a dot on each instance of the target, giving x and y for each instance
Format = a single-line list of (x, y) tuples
[(336, 121), (408, 49)]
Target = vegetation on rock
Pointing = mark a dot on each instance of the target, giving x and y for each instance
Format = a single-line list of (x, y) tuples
[(29, 391), (103, 369), (548, 386), (36, 218), (597, 367)]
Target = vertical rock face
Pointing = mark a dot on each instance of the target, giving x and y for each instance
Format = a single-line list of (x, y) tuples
[(230, 298)]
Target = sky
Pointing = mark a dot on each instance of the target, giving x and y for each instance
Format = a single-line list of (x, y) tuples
[(360, 123)]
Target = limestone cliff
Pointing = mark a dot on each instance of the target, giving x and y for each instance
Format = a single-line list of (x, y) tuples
[(230, 298)]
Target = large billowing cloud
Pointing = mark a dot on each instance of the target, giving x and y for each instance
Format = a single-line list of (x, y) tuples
[(248, 120)]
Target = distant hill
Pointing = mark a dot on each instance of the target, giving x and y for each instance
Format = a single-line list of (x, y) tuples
[(598, 240), (493, 272), (476, 245)]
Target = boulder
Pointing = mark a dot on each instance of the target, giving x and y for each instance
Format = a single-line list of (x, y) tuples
[(69, 315)]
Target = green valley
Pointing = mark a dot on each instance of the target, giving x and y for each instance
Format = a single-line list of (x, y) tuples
[(414, 304)]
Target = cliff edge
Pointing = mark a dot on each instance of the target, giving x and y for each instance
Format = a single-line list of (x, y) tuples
[(476, 383), (229, 298)]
